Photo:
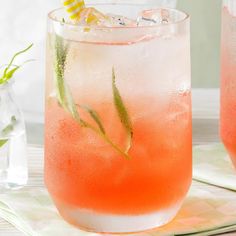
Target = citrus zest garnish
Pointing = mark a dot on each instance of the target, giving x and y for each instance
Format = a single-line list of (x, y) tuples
[(78, 12), (74, 7)]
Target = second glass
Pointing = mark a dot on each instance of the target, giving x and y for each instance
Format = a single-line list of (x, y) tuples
[(118, 121), (228, 78)]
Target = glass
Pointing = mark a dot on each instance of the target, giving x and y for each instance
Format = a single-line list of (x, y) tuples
[(228, 78), (156, 3), (132, 170), (13, 148)]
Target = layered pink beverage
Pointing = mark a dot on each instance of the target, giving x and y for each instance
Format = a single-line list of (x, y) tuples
[(228, 78), (118, 120)]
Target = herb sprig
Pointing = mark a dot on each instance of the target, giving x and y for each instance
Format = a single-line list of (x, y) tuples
[(10, 127), (3, 142), (122, 111), (66, 101), (9, 71), (7, 130)]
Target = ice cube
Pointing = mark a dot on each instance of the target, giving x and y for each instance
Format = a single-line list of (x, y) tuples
[(90, 16), (117, 21), (153, 17)]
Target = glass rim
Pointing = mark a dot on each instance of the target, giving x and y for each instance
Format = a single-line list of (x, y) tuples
[(178, 22)]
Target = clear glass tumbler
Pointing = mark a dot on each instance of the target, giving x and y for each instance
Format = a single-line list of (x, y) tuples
[(157, 3), (13, 145), (118, 138), (228, 78)]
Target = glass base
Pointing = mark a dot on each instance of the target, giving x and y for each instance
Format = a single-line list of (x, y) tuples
[(108, 223), (231, 152), (13, 163), (13, 179), (233, 159)]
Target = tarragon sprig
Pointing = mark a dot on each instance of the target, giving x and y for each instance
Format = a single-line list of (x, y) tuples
[(7, 74), (66, 101), (9, 71), (3, 142), (7, 130), (122, 111), (95, 116)]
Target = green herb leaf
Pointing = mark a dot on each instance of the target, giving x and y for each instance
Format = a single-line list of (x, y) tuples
[(94, 116), (14, 57), (122, 111), (60, 64), (3, 142), (9, 127), (7, 130), (8, 74), (66, 101), (64, 94)]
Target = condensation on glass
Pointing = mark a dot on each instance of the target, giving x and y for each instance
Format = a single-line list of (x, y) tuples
[(228, 77), (109, 179)]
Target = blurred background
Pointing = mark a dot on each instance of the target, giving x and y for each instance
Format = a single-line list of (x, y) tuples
[(23, 22)]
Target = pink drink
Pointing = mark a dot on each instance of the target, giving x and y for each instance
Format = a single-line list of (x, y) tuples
[(93, 185), (228, 78)]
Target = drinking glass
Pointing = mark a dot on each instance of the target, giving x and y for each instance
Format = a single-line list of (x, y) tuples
[(118, 138), (13, 144), (159, 3), (228, 78)]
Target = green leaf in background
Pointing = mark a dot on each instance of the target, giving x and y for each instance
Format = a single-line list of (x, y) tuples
[(8, 72), (7, 130), (9, 127), (7, 75), (122, 111), (94, 116), (3, 142)]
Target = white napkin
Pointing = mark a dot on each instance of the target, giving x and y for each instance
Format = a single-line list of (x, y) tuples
[(207, 210), (212, 165)]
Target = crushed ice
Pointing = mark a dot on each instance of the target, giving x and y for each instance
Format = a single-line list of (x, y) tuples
[(91, 16)]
